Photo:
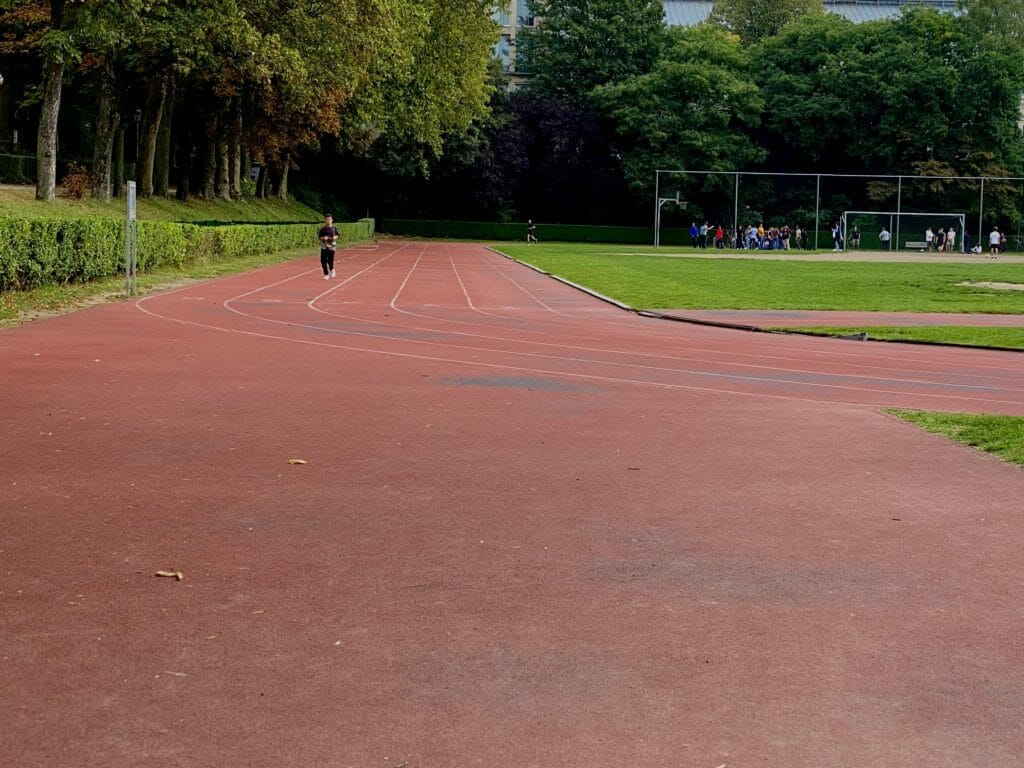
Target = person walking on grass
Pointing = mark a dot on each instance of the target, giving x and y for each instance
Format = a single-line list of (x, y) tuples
[(884, 237), (328, 242), (994, 239), (951, 240), (531, 232)]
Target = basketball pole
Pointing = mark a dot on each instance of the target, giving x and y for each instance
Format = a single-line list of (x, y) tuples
[(899, 209), (736, 211), (981, 213)]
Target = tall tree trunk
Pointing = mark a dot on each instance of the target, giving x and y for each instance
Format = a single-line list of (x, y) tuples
[(118, 180), (209, 185), (184, 149), (184, 166), (282, 184), (246, 163), (108, 120), (235, 153), (162, 159), (46, 137), (261, 182), (223, 189), (151, 126)]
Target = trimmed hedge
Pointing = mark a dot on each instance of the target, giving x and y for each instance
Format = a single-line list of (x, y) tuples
[(35, 252), (569, 233)]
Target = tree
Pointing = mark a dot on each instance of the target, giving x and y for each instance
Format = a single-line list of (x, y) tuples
[(581, 44), (695, 108), (1003, 19), (755, 20)]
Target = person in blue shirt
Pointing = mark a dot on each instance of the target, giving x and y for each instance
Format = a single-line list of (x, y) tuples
[(694, 234)]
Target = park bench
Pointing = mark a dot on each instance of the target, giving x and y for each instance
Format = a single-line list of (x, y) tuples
[(915, 245)]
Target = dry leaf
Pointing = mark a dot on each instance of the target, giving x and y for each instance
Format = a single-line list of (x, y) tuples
[(171, 574), (296, 461)]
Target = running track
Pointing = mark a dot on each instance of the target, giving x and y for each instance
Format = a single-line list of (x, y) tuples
[(532, 530)]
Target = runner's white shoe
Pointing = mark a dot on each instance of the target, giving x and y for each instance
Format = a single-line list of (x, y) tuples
[(332, 273), (327, 277)]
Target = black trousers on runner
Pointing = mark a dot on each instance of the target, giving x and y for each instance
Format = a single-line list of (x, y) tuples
[(327, 260)]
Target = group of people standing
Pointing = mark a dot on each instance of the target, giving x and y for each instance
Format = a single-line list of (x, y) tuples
[(753, 238), (940, 241)]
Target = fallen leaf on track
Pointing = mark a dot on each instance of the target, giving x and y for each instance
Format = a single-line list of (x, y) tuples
[(296, 461), (171, 574)]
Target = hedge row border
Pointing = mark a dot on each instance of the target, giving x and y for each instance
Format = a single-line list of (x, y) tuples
[(38, 252)]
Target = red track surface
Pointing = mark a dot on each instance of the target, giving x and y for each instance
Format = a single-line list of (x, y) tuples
[(533, 530)]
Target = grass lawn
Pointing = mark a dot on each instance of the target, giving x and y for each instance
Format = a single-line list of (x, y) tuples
[(1000, 338), (645, 281), (19, 201), (1000, 435)]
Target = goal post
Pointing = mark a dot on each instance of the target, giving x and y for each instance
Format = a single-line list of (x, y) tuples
[(906, 229)]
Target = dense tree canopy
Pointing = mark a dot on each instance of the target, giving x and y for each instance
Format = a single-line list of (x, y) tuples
[(694, 109), (399, 100), (755, 20), (582, 44), (254, 77)]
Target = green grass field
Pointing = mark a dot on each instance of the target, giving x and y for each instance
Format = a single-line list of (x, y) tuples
[(998, 338), (646, 281), (20, 202), (999, 435)]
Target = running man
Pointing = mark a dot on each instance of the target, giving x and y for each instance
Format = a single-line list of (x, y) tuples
[(531, 232), (328, 242)]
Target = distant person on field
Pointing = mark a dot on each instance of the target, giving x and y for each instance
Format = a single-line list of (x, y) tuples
[(328, 242), (940, 240), (884, 237), (531, 232), (951, 240), (929, 238), (855, 238), (994, 238), (967, 242), (694, 234), (1002, 242), (702, 237), (837, 237), (719, 237)]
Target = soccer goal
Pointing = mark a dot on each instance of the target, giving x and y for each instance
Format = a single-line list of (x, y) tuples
[(902, 230)]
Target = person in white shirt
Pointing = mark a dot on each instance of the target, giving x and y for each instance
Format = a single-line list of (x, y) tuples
[(928, 237), (884, 237), (993, 242), (950, 240)]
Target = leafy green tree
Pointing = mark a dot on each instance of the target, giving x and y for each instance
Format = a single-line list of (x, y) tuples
[(848, 97), (1002, 19), (755, 20), (694, 109), (580, 44)]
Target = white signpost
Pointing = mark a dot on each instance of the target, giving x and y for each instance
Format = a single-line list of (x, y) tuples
[(131, 245)]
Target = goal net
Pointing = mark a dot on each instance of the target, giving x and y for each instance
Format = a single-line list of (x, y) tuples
[(900, 230)]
